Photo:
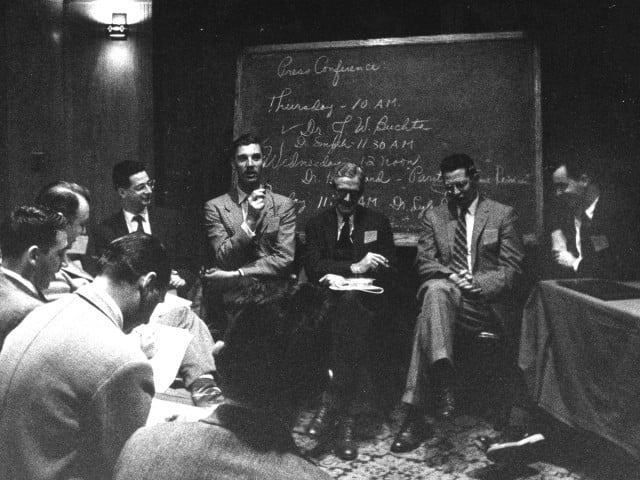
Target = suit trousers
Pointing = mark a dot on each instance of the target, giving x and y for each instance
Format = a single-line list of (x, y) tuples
[(198, 358), (443, 308)]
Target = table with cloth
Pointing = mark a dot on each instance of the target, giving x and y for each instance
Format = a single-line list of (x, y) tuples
[(581, 360)]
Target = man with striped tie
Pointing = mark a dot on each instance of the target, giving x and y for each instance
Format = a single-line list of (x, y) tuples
[(468, 260)]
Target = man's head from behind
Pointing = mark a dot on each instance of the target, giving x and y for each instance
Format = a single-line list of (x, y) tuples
[(131, 181), (33, 241), (271, 357), (460, 179), (136, 269), (247, 161), (72, 201), (348, 185)]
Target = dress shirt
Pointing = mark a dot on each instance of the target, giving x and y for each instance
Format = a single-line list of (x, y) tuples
[(133, 226), (470, 217), (578, 225), (20, 279), (341, 221), (242, 200)]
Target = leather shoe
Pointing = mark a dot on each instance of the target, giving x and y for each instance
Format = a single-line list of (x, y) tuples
[(345, 446), (323, 419), (412, 433), (445, 403)]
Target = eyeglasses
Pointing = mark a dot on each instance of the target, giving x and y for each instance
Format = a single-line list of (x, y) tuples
[(340, 193), (151, 184), (451, 187)]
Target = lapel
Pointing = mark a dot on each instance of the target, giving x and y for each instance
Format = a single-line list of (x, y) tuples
[(359, 226), (232, 208), (24, 289), (479, 222), (452, 223), (331, 231)]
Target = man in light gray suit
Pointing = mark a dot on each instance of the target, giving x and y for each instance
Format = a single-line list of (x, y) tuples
[(251, 230), (469, 258), (72, 388)]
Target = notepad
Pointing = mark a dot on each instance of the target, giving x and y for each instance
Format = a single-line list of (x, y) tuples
[(603, 289)]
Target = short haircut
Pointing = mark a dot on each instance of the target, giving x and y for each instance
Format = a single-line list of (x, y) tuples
[(123, 170), (576, 167), (27, 226), (272, 354), (131, 256), (457, 161), (61, 196), (349, 170), (244, 139)]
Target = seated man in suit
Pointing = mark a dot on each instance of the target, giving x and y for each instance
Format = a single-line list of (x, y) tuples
[(271, 357), (348, 240), (33, 242), (135, 189), (594, 233), (198, 366), (468, 260), (72, 389), (251, 231)]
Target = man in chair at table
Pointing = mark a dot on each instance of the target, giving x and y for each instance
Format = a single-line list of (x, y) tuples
[(469, 257), (345, 241)]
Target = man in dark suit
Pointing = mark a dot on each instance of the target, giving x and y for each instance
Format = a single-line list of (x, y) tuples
[(271, 357), (468, 260), (594, 233), (251, 231), (344, 241), (33, 242), (135, 189)]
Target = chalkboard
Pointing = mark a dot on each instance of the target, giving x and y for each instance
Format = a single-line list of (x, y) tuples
[(397, 107)]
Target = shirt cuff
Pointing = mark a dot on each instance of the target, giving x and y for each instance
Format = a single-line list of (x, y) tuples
[(576, 264), (247, 230)]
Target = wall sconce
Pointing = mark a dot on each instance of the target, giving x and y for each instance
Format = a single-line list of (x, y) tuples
[(118, 29)]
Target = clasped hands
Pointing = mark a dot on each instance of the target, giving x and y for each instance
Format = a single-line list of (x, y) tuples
[(464, 281)]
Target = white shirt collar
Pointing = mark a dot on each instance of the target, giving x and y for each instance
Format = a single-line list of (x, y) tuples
[(471, 209), (592, 208), (133, 226), (20, 279)]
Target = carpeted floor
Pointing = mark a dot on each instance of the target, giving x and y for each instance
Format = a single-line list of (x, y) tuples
[(453, 453)]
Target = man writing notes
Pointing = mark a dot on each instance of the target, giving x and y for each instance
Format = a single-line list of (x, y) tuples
[(594, 234), (344, 241), (469, 257), (251, 231), (72, 388)]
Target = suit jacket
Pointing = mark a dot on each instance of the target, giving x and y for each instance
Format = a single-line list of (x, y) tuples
[(72, 391), (16, 302), (270, 253), (496, 247), (371, 233), (233, 442), (611, 249), (165, 225)]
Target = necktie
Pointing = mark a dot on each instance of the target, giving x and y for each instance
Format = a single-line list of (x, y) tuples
[(139, 219), (344, 239), (460, 243)]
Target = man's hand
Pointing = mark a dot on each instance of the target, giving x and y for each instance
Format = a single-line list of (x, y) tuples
[(370, 263), (564, 258), (464, 281), (214, 274), (145, 337), (331, 280), (255, 202), (176, 281)]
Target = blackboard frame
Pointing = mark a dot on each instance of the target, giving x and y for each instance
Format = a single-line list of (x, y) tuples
[(410, 239)]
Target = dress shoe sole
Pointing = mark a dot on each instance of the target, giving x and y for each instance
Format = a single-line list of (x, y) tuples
[(521, 452)]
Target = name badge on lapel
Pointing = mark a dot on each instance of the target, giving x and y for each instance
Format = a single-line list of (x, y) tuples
[(600, 242), (370, 236)]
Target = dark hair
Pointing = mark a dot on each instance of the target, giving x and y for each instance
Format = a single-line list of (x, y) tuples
[(456, 161), (123, 170), (349, 170), (272, 355), (129, 257), (577, 166), (61, 196), (27, 226), (244, 139)]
